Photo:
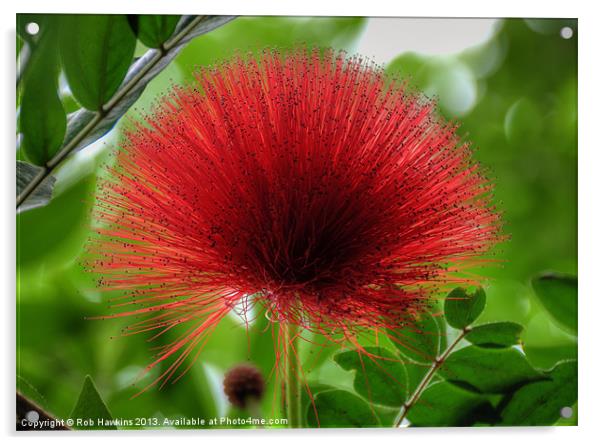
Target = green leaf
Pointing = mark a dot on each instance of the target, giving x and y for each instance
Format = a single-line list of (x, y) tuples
[(422, 340), (341, 409), (308, 399), (558, 295), (545, 357), (500, 334), (540, 403), (42, 195), (91, 406), (416, 372), (96, 51), (489, 370), (444, 404), (80, 119), (154, 30), (66, 226), (379, 377), (462, 308), (42, 119)]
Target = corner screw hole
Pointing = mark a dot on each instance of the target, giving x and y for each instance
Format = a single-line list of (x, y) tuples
[(566, 412), (566, 33), (32, 28)]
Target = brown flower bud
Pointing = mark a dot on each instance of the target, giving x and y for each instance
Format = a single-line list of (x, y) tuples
[(243, 384)]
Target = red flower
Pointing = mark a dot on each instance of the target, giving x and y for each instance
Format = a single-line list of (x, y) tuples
[(328, 192)]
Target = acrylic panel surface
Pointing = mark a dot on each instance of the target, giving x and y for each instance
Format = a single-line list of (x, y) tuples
[(295, 222)]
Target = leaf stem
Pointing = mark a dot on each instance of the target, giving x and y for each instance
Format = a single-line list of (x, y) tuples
[(437, 363), (292, 395), (106, 109)]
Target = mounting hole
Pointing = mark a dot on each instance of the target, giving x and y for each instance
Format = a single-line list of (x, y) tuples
[(32, 416), (32, 28), (566, 412), (566, 32)]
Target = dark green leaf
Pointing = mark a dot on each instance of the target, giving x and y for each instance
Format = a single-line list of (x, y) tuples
[(341, 409), (379, 377), (66, 225), (462, 308), (444, 404), (422, 340), (78, 120), (500, 334), (489, 370), (91, 406), (42, 120), (96, 51), (308, 400), (540, 403), (42, 195), (558, 294), (154, 30)]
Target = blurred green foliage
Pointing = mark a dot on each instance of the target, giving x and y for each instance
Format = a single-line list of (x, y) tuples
[(514, 97)]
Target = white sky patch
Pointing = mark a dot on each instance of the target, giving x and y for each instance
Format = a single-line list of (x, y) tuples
[(384, 38), (245, 312)]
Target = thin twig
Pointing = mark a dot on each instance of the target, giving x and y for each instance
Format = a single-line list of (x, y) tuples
[(427, 378), (99, 115)]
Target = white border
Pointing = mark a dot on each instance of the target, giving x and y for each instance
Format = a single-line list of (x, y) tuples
[(590, 246)]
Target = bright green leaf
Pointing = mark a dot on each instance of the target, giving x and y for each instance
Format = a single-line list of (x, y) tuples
[(42, 120), (379, 377), (462, 308), (500, 334), (444, 404), (154, 30), (545, 343), (96, 51), (489, 370), (558, 294), (422, 340), (91, 406), (545, 357), (540, 403), (341, 409)]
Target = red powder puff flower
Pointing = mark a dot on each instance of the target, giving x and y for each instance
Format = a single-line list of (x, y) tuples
[(307, 182)]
